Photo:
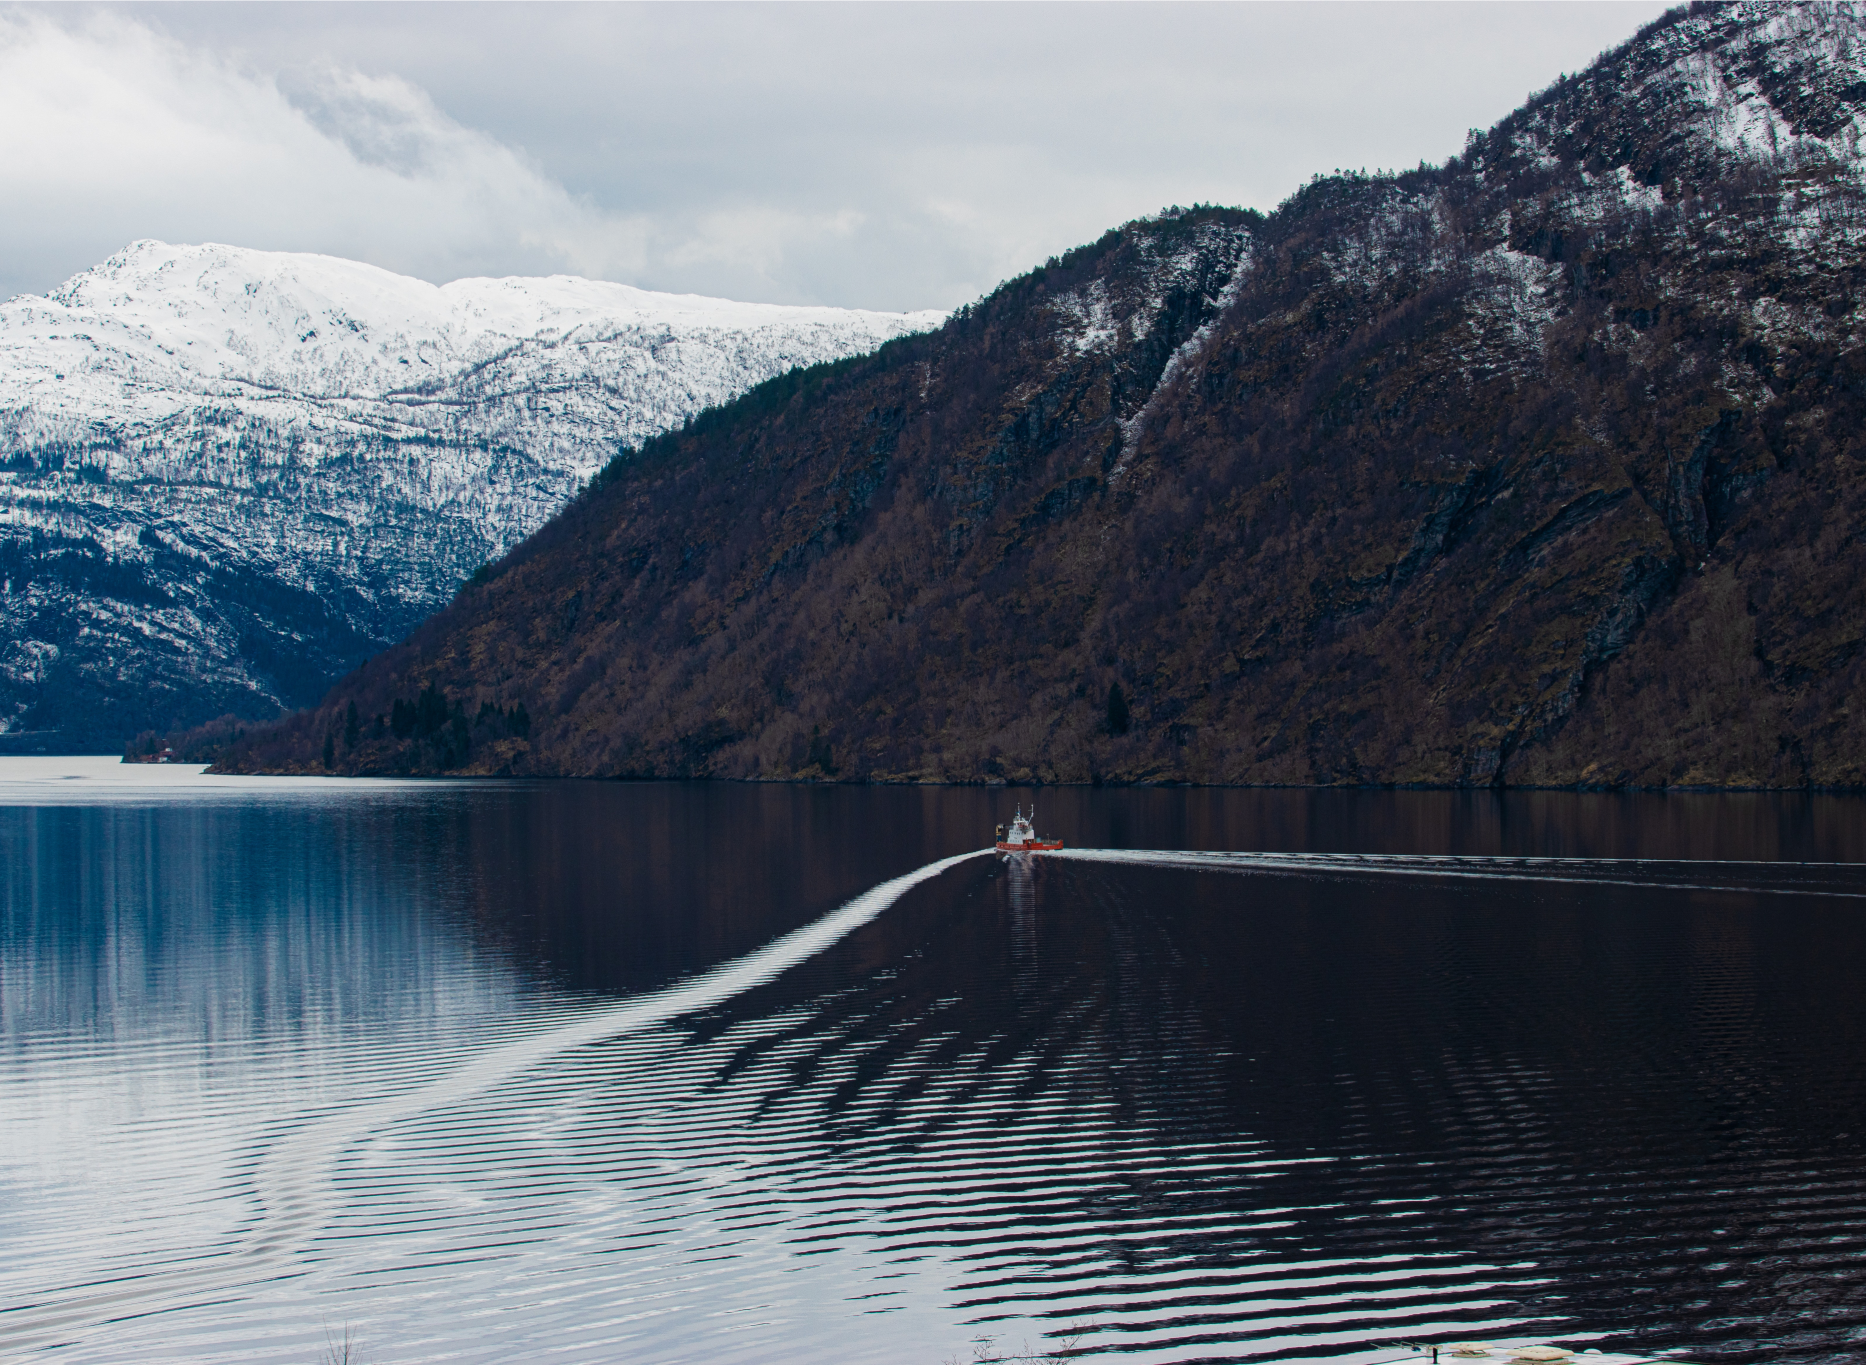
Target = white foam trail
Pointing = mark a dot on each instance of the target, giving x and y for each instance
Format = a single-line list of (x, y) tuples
[(293, 1178), (1579, 871), (294, 1175)]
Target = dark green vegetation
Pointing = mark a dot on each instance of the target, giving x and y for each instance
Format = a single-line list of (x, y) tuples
[(1540, 467), (198, 744)]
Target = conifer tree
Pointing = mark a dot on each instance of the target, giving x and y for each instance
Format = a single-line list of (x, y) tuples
[(821, 754), (430, 711), (1117, 710)]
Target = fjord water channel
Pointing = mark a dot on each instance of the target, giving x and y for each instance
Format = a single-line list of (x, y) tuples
[(493, 1071)]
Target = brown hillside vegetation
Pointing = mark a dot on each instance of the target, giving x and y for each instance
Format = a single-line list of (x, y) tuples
[(1541, 467)]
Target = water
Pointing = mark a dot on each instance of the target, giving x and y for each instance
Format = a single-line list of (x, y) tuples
[(579, 1071)]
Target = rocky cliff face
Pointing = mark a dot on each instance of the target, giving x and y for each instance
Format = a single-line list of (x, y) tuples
[(228, 476), (1542, 466)]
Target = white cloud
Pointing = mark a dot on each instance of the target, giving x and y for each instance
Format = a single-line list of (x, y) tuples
[(757, 238), (888, 156), (114, 132)]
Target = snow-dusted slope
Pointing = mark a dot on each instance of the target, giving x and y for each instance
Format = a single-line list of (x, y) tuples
[(227, 475)]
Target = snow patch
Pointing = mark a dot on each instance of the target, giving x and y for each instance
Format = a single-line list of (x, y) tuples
[(1184, 354), (1085, 319)]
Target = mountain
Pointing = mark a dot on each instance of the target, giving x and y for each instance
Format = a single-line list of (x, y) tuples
[(228, 476), (1546, 466)]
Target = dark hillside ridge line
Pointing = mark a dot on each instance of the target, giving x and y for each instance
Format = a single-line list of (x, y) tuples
[(1539, 468)]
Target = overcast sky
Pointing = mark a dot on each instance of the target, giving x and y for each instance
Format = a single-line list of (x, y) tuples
[(885, 156)]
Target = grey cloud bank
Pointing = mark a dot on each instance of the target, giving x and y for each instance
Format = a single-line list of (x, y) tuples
[(890, 157)]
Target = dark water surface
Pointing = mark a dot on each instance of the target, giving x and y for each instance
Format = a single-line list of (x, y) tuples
[(473, 1070)]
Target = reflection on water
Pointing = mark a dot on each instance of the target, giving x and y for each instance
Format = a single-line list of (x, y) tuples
[(274, 1061)]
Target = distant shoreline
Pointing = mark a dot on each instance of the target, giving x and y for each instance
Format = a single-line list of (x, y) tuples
[(1035, 783), (116, 761)]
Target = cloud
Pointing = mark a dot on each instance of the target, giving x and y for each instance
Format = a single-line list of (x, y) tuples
[(115, 132), (886, 156)]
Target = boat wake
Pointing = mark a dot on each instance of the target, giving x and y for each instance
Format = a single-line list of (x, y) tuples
[(293, 1176), (1756, 878)]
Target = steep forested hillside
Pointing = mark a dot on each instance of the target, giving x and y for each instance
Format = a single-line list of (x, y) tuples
[(1541, 466)]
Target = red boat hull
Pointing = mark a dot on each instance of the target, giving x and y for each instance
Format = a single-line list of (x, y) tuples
[(1039, 846)]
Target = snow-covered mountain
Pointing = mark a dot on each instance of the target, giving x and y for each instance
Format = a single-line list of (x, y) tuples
[(226, 476)]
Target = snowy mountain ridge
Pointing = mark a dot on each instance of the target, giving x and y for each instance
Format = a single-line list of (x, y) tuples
[(111, 359), (189, 431)]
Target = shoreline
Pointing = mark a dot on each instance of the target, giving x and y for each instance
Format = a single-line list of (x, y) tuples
[(113, 762)]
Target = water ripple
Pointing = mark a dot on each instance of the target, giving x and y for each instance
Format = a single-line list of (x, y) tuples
[(1104, 1101)]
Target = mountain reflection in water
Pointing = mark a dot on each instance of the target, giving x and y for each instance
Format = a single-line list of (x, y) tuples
[(274, 1061)]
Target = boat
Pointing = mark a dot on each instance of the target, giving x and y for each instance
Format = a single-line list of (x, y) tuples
[(1020, 836)]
